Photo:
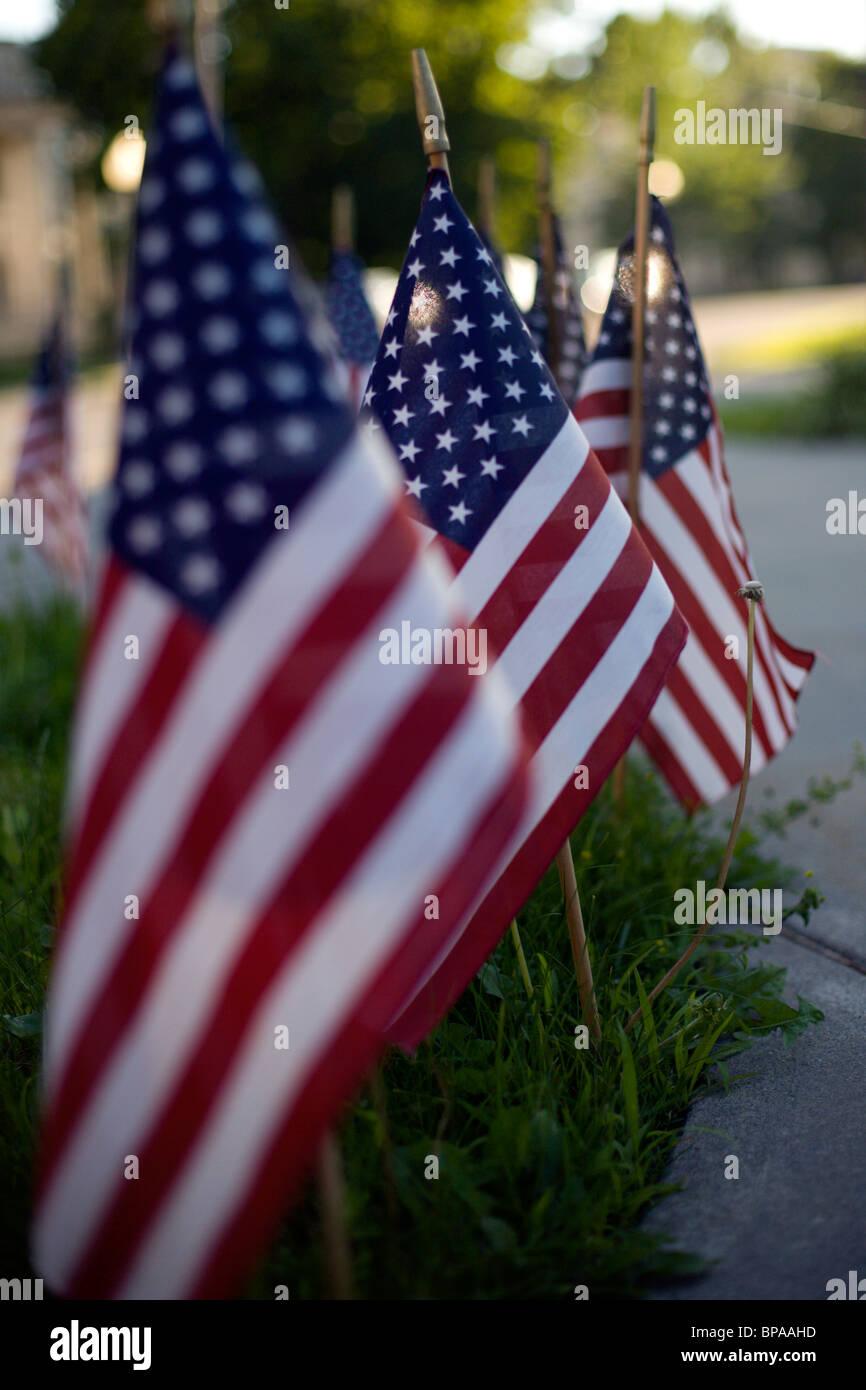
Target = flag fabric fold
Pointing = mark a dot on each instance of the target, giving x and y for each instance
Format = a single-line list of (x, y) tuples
[(548, 566), (261, 813), (696, 732)]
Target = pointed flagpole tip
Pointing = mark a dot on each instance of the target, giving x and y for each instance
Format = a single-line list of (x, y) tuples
[(429, 110)]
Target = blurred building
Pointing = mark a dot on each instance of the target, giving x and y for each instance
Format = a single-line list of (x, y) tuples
[(43, 218)]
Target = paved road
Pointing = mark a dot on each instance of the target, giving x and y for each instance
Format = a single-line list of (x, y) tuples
[(796, 1217)]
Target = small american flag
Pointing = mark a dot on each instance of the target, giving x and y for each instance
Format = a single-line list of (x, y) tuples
[(260, 810), (572, 346), (548, 562), (45, 469), (353, 321), (696, 732)]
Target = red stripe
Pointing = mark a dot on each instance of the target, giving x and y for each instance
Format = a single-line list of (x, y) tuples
[(276, 710), (611, 403)]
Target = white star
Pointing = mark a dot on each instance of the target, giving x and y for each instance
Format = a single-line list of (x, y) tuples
[(538, 359), (432, 369), (666, 400), (463, 325), (220, 334), (200, 573), (415, 268), (211, 280), (484, 431), (546, 390), (144, 534), (426, 335), (436, 192), (451, 476), (408, 451), (449, 257), (491, 287), (469, 360), (397, 382), (446, 441), (491, 467), (439, 405), (392, 348), (689, 406), (672, 347), (514, 390), (297, 434), (669, 373), (477, 395), (441, 224), (183, 460), (460, 512), (456, 291), (659, 452), (507, 355), (191, 516), (415, 486), (245, 502), (482, 254), (403, 416), (662, 427), (521, 426), (368, 396), (138, 477), (688, 431), (414, 237), (499, 321)]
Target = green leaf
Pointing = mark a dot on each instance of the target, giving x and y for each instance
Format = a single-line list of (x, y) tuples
[(24, 1025)]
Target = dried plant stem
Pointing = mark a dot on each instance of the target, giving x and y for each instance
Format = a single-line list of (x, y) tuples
[(521, 958), (332, 1196), (577, 936), (735, 824)]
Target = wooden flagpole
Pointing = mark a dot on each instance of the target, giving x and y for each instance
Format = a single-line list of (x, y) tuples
[(343, 218), (638, 322), (487, 197), (210, 43), (564, 858), (332, 1194)]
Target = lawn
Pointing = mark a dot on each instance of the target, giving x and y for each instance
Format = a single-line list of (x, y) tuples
[(548, 1152)]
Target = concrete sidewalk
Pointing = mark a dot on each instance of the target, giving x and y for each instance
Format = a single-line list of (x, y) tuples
[(796, 1216)]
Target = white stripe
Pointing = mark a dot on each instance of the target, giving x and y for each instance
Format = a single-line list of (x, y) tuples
[(314, 992), (794, 675), (112, 683), (290, 583), (607, 431), (611, 374), (521, 517)]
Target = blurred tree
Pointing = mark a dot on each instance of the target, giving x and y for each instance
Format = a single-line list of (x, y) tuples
[(321, 93)]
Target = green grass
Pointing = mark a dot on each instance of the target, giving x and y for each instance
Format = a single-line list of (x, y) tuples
[(548, 1153), (834, 408)]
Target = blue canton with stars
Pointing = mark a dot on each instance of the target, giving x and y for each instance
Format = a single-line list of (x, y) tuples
[(572, 346), (239, 407), (349, 311), (676, 403), (462, 391)]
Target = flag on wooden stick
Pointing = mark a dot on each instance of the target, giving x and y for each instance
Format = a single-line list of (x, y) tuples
[(566, 300), (574, 612), (46, 475), (352, 320), (688, 519), (262, 814)]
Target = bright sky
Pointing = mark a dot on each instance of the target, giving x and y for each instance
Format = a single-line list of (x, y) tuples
[(836, 24)]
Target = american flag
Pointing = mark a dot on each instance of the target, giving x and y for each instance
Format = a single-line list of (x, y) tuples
[(353, 321), (548, 562), (696, 732), (45, 467), (260, 809), (566, 300)]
